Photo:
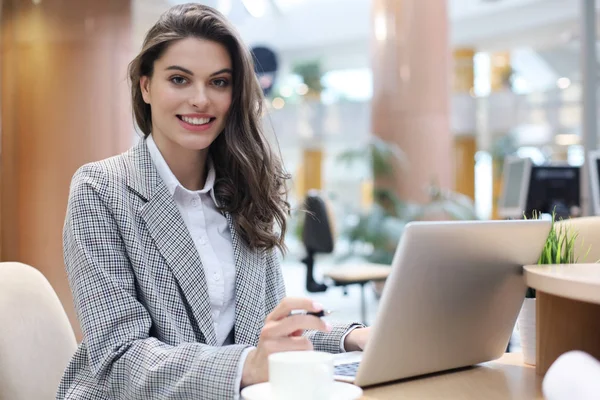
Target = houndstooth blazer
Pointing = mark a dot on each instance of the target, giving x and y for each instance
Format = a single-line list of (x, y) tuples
[(141, 295)]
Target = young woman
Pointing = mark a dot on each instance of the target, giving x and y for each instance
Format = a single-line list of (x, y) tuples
[(170, 247)]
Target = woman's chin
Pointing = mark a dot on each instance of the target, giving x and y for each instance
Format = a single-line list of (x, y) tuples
[(196, 142)]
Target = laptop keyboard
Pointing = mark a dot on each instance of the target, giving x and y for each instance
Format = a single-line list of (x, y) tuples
[(346, 369)]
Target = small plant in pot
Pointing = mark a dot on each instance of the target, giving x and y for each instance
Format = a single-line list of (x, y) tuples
[(558, 249)]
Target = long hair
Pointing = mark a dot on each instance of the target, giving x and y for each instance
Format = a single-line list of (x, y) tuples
[(250, 181)]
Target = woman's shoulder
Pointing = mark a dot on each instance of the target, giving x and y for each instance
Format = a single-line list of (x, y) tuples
[(109, 173)]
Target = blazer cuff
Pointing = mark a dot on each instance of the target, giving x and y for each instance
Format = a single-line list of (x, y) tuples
[(330, 342), (240, 371), (353, 327)]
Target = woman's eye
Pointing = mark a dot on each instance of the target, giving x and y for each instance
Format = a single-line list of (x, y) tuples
[(178, 80), (221, 83)]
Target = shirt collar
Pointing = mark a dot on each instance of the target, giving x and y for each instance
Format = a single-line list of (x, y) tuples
[(171, 181)]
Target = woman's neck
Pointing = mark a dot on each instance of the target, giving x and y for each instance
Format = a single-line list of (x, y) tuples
[(188, 166)]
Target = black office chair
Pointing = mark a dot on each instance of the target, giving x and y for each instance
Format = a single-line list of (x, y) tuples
[(318, 237)]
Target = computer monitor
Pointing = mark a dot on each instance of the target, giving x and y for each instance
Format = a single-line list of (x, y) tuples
[(554, 188), (513, 199), (594, 165)]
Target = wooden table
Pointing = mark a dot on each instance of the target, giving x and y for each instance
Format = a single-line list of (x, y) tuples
[(567, 310), (505, 378)]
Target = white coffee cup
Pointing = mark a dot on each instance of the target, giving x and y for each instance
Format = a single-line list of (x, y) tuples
[(301, 375)]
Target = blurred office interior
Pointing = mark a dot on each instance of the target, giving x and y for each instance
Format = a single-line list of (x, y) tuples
[(388, 110)]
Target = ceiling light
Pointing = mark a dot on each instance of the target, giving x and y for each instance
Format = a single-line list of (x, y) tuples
[(278, 103), (302, 89), (567, 139), (563, 83), (380, 28), (286, 91)]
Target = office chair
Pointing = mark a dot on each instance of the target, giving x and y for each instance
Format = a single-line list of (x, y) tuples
[(36, 338), (318, 236)]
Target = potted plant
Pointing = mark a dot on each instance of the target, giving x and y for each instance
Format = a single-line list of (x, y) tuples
[(311, 74), (381, 226), (372, 234), (558, 249)]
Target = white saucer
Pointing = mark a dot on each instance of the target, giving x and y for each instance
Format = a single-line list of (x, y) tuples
[(341, 391)]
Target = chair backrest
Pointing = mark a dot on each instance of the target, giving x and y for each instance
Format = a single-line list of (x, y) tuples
[(36, 338), (588, 238), (318, 231)]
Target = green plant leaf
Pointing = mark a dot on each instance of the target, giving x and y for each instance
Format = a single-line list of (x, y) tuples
[(382, 225)]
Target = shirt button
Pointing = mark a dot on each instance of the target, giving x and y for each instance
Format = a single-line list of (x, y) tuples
[(202, 241), (195, 203), (216, 277)]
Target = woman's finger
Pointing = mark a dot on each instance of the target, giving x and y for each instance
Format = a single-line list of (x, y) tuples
[(289, 304), (287, 326)]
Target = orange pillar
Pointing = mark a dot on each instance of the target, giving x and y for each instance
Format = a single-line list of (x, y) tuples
[(464, 73), (312, 163), (309, 172), (465, 147), (64, 100), (411, 90), (465, 143), (500, 72)]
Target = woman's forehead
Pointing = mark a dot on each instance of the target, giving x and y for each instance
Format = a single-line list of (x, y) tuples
[(200, 56)]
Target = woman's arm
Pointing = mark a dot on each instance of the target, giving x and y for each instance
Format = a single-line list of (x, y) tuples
[(331, 342), (126, 362)]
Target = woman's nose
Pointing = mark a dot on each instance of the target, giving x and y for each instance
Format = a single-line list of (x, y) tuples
[(199, 99)]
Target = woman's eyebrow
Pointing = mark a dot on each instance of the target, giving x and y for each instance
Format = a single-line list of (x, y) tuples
[(222, 71), (187, 71), (178, 68)]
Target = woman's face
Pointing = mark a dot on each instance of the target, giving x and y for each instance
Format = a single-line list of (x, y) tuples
[(189, 94)]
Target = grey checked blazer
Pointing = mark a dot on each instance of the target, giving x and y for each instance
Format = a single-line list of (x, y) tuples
[(141, 295)]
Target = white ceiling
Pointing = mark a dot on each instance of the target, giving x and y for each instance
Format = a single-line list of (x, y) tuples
[(301, 24), (338, 32)]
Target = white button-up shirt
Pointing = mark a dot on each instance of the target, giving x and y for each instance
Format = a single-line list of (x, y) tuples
[(209, 230)]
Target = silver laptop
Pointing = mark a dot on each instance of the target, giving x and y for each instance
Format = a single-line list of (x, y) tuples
[(451, 300)]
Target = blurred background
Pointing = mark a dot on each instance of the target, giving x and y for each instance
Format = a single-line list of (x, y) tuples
[(385, 111)]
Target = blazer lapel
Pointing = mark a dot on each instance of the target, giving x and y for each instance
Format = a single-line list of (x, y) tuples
[(249, 289), (168, 230)]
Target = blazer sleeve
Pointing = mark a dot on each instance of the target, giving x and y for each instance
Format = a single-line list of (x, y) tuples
[(124, 360), (330, 342)]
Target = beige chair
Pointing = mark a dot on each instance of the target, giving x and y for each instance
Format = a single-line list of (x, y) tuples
[(318, 236), (36, 338), (589, 237)]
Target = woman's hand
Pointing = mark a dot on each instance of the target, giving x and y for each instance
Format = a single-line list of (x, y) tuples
[(282, 333), (357, 339)]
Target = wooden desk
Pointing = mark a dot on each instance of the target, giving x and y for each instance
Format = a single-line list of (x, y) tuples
[(506, 378), (568, 310)]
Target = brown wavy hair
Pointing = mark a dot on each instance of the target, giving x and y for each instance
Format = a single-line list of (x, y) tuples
[(250, 182)]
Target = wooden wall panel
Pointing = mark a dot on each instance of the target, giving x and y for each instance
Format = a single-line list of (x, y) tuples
[(64, 103)]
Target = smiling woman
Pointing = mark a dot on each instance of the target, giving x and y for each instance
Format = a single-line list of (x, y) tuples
[(199, 68), (189, 93), (170, 247)]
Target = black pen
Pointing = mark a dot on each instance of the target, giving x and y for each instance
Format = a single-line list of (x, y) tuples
[(320, 314)]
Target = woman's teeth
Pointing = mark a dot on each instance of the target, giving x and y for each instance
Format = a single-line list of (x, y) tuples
[(195, 121)]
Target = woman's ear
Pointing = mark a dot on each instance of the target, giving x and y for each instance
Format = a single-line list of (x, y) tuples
[(145, 88)]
